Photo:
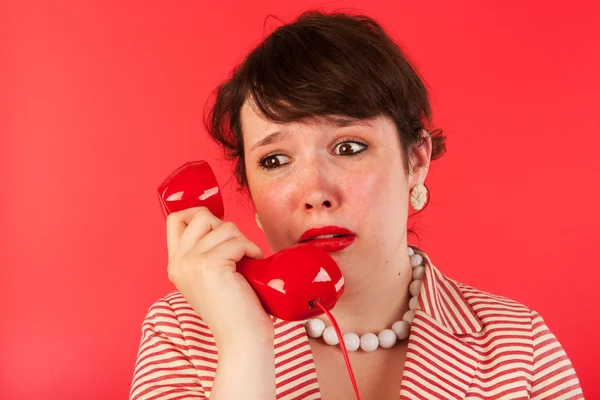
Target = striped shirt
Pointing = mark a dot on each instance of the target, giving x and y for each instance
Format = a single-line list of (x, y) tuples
[(464, 344)]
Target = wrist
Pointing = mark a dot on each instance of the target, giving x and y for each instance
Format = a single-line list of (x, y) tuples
[(244, 339), (247, 350)]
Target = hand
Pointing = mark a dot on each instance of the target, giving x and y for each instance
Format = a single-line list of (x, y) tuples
[(203, 252)]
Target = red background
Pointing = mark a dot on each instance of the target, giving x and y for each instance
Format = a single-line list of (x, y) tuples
[(100, 100)]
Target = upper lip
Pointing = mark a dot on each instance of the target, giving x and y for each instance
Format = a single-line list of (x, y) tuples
[(326, 230)]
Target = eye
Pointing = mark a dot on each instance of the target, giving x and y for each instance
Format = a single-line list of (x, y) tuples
[(350, 148), (273, 161)]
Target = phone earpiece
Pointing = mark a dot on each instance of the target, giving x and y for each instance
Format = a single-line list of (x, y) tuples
[(288, 282), (191, 185)]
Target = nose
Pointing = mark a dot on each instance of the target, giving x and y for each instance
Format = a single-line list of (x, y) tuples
[(318, 192), (323, 204)]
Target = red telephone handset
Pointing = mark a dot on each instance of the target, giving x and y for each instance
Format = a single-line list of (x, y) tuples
[(287, 283), (293, 284)]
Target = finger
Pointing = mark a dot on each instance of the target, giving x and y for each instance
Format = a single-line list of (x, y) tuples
[(225, 231), (234, 249), (179, 237), (202, 223)]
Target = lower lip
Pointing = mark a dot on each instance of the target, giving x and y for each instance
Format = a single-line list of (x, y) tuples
[(333, 244)]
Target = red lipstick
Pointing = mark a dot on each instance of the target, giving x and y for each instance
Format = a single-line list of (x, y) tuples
[(339, 240)]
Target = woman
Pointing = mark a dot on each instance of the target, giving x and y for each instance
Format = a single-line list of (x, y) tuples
[(329, 126)]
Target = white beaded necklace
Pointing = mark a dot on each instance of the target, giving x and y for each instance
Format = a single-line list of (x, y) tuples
[(387, 338)]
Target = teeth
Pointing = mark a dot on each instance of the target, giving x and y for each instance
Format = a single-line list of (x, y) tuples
[(324, 236)]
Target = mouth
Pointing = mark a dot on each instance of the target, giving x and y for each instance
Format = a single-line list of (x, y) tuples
[(331, 243), (329, 238), (322, 237), (325, 232)]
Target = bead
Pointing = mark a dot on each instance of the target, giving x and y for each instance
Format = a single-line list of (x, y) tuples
[(352, 341), (409, 316), (369, 342), (416, 260), (330, 336), (315, 328), (387, 338), (415, 287), (419, 272), (402, 329), (413, 304)]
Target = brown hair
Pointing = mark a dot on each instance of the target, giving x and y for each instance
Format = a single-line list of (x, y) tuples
[(318, 65)]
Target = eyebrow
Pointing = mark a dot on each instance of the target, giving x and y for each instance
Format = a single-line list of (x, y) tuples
[(338, 122)]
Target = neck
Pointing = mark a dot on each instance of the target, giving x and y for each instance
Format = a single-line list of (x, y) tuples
[(374, 301)]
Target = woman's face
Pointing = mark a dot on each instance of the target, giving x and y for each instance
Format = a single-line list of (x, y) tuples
[(345, 173)]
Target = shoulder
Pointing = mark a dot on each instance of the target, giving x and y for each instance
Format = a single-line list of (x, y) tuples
[(511, 336), (173, 304), (171, 320), (175, 307), (176, 353), (174, 316)]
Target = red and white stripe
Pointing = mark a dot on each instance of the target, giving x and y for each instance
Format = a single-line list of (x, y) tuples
[(464, 344)]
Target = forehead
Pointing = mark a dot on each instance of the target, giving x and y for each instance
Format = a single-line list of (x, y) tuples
[(254, 123), (251, 116)]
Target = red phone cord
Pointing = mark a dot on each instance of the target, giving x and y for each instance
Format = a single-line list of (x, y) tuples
[(343, 346)]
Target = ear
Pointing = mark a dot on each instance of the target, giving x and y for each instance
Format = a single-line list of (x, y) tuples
[(420, 157)]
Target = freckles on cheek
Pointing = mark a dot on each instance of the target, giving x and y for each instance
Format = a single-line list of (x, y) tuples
[(371, 187), (374, 204), (273, 201)]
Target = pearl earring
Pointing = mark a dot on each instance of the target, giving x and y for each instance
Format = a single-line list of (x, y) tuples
[(418, 196), (258, 221)]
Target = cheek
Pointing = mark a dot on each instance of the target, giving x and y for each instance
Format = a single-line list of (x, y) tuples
[(380, 189), (272, 201), (380, 202)]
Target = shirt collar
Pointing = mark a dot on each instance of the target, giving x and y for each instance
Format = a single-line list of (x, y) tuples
[(442, 299)]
